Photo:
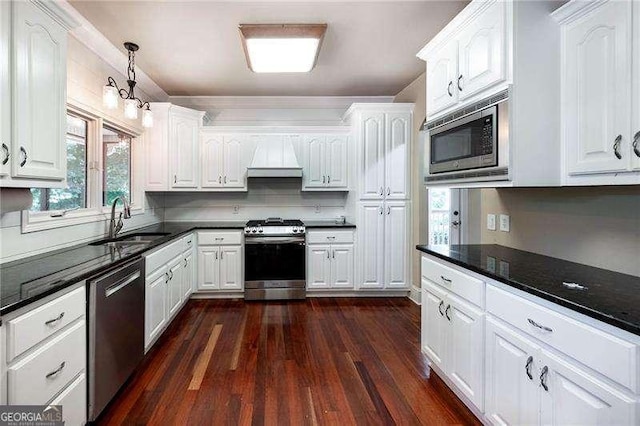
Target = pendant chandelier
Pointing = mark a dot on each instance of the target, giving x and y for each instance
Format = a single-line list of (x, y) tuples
[(111, 92)]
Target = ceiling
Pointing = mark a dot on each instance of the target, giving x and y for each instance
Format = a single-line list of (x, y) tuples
[(192, 48)]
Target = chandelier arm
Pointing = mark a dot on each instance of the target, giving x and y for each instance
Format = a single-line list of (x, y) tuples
[(123, 93), (143, 104)]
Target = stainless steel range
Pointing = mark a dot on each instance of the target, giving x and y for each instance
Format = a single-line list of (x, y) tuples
[(275, 259)]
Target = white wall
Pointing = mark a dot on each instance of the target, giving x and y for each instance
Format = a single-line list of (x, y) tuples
[(86, 74)]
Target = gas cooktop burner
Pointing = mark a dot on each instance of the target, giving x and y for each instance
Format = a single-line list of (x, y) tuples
[(274, 226)]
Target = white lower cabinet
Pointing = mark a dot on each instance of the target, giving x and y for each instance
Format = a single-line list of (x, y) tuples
[(189, 275), (330, 266), (174, 289), (74, 402), (220, 262), (453, 339), (155, 318), (562, 371)]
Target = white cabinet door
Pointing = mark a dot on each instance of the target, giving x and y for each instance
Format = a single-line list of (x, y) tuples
[(212, 160), (442, 75), (40, 79), (597, 87), (174, 289), (231, 268), (342, 266), (434, 325), (5, 89), (336, 164), (373, 147), (466, 349), (208, 268), (396, 258), (371, 245), (482, 51), (188, 275), (576, 398), (234, 174), (183, 141), (155, 313), (398, 129), (318, 266), (314, 161), (512, 371), (635, 76)]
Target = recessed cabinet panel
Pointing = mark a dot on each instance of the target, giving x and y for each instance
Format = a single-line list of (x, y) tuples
[(314, 173), (482, 51), (342, 266), (39, 93), (635, 76), (373, 147), (5, 88), (396, 216), (174, 286), (319, 267), (188, 275), (234, 175), (208, 268), (184, 151), (371, 247), (442, 75), (212, 160), (337, 161), (398, 128), (598, 90), (231, 268), (433, 325), (156, 305)]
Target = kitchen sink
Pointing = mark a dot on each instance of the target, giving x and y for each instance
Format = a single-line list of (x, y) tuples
[(139, 238)]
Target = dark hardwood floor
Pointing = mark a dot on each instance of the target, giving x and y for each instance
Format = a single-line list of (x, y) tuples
[(322, 361)]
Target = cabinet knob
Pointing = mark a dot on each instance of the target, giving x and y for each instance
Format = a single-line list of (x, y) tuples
[(5, 148), (636, 141), (24, 156), (616, 147)]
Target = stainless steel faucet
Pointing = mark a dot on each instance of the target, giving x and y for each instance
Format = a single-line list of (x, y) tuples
[(114, 227)]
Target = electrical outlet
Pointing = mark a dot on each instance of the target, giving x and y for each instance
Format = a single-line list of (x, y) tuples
[(491, 222), (317, 208), (236, 209), (504, 222)]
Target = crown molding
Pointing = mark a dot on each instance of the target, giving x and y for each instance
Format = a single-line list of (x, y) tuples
[(89, 35), (276, 102)]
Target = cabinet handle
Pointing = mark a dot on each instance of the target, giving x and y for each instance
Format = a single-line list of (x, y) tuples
[(56, 371), (55, 320), (221, 254), (219, 179), (446, 280), (636, 141), (328, 179), (527, 367), (225, 179), (388, 190), (328, 254), (388, 210), (331, 238), (324, 179), (381, 190), (449, 89), (616, 147), (216, 255), (543, 378), (171, 277), (440, 308), (5, 148), (175, 179), (334, 254), (166, 277), (24, 155), (460, 83), (381, 210), (541, 327), (185, 263), (446, 312)]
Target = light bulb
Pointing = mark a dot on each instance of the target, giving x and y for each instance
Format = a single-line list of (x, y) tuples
[(131, 109), (147, 118), (110, 97)]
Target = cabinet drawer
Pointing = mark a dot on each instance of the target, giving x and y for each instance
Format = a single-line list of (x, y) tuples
[(61, 359), (188, 242), (207, 238), (162, 256), (453, 280), (74, 402), (606, 354), (329, 237), (31, 328)]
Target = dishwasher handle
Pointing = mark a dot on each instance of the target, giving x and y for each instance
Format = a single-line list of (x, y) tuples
[(112, 289)]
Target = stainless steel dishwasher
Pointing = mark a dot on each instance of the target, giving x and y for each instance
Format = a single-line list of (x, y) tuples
[(116, 332)]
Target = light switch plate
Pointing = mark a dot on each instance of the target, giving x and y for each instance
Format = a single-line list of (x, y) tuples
[(504, 222), (491, 222)]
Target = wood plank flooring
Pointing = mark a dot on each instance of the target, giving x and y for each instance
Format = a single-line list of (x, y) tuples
[(320, 361)]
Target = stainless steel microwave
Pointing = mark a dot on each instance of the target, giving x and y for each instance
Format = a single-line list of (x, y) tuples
[(476, 141)]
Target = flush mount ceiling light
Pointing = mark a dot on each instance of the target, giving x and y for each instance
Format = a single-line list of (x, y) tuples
[(111, 92), (272, 48)]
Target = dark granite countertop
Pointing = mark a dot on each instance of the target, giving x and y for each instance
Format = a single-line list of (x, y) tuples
[(610, 297), (27, 280), (327, 224)]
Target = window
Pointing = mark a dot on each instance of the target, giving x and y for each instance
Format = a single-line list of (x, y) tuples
[(116, 160), (74, 196), (445, 216)]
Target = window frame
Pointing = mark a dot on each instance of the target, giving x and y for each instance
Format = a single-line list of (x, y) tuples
[(94, 210)]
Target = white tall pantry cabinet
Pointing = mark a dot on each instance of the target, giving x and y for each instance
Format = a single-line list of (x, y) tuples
[(382, 137)]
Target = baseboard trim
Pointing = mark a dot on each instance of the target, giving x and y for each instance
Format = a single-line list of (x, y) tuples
[(416, 295), (214, 295), (310, 293)]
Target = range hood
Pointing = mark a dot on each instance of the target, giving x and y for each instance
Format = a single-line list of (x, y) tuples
[(274, 157)]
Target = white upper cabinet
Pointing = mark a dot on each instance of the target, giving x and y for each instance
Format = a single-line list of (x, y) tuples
[(600, 88), (33, 81), (234, 174), (373, 146), (184, 153), (482, 51), (442, 76), (325, 162), (397, 161), (224, 160), (212, 160)]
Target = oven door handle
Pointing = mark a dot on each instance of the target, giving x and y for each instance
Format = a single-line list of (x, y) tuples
[(274, 240)]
